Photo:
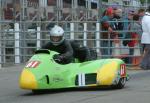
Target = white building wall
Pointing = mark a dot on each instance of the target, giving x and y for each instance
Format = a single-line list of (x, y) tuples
[(136, 3), (119, 2)]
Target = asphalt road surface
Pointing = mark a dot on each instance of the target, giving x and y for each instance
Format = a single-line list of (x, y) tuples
[(137, 90)]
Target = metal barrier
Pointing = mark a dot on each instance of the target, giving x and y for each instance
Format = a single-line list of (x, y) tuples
[(17, 43), (27, 29)]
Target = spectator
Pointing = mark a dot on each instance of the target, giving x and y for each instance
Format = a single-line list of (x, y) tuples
[(141, 13), (8, 13), (135, 26), (118, 25), (135, 34), (107, 27), (126, 21), (126, 26), (145, 40)]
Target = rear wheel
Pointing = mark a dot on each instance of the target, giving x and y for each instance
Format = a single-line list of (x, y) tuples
[(120, 84)]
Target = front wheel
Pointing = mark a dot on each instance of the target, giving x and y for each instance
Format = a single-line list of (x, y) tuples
[(37, 91)]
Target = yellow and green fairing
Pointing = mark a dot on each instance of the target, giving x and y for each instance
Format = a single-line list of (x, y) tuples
[(42, 72)]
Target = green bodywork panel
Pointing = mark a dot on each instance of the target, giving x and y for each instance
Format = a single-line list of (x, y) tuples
[(50, 75)]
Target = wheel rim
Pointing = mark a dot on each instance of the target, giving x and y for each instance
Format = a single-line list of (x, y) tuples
[(123, 81)]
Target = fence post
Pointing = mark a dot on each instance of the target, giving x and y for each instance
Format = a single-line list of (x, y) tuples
[(72, 30), (17, 46), (0, 34), (97, 37), (0, 50), (38, 37), (85, 34)]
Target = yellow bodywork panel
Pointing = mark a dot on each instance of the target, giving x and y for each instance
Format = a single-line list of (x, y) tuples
[(27, 80), (107, 73)]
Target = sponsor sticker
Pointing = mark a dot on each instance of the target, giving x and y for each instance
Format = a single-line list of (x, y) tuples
[(123, 70), (57, 79), (32, 64)]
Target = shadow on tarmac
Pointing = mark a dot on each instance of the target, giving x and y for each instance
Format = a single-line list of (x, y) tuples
[(85, 89)]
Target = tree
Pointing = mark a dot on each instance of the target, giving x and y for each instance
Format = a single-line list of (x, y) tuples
[(143, 1)]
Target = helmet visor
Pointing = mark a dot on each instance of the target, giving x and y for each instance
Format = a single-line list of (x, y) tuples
[(56, 38)]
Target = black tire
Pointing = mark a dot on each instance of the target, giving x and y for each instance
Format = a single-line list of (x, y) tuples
[(37, 91), (120, 84)]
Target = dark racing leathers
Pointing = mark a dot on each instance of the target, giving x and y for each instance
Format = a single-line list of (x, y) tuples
[(80, 52), (65, 50)]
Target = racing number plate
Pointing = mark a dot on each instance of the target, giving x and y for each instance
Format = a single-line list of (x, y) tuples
[(123, 70)]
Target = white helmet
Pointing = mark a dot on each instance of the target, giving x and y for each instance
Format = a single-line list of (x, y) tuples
[(56, 35)]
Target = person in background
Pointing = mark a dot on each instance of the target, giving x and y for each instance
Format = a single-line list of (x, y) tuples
[(141, 13), (135, 34), (126, 22), (107, 28), (118, 25), (59, 44), (126, 34), (136, 28), (145, 40)]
